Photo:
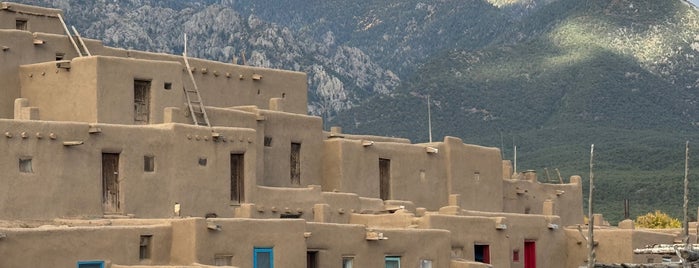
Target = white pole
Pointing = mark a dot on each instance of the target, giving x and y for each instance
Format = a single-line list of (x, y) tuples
[(429, 117)]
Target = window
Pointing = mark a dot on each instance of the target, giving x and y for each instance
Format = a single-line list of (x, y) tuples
[(312, 259), (90, 264), (167, 86), (141, 99), (295, 162), (393, 262), (21, 24), (144, 247), (425, 263), (25, 165), (482, 253), (268, 141), (476, 176), (60, 56), (148, 163), (223, 260), (263, 258), (202, 161), (347, 261), (515, 255)]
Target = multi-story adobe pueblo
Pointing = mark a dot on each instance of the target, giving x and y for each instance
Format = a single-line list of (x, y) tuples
[(122, 158)]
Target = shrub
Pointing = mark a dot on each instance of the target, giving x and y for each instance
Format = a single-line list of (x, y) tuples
[(657, 220)]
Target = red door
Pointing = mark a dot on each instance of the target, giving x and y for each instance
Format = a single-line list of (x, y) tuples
[(529, 254)]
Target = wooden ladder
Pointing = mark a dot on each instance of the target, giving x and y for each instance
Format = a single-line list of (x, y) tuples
[(196, 107)]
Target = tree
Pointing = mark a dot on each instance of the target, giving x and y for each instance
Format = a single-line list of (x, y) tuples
[(657, 220)]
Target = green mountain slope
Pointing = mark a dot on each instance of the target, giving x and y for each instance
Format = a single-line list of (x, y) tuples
[(619, 74)]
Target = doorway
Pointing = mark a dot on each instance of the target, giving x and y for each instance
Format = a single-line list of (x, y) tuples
[(110, 183), (385, 178), (529, 254), (237, 178), (141, 101)]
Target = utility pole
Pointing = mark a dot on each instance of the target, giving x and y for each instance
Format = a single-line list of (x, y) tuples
[(590, 217)]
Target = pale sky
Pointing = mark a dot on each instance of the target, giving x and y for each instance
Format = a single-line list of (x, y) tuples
[(695, 2)]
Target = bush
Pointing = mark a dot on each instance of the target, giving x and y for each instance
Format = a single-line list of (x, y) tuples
[(657, 220)]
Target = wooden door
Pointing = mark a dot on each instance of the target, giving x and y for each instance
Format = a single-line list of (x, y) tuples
[(384, 178), (110, 182), (529, 254)]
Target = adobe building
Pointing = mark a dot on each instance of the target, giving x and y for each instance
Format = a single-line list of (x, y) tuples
[(122, 158)]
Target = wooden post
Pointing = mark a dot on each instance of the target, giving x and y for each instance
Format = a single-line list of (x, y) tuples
[(685, 223), (591, 220)]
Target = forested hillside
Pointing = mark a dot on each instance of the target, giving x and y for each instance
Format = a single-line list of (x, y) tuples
[(550, 76)]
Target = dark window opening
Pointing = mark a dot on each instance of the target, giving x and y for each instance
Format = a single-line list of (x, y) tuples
[(168, 86), (482, 253), (202, 161), (25, 165), (385, 178), (60, 55), (289, 216), (295, 163), (145, 247), (515, 255), (237, 178), (141, 99), (312, 259), (148, 163), (21, 24), (268, 141)]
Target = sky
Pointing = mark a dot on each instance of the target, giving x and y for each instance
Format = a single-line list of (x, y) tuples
[(695, 2)]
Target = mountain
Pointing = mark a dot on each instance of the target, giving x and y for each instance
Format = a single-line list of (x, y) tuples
[(550, 76)]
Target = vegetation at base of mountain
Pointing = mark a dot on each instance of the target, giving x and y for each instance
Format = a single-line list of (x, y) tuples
[(657, 220)]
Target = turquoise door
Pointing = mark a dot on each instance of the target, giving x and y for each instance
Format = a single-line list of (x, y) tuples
[(263, 258)]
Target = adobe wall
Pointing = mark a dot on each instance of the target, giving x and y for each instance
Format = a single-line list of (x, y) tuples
[(63, 246), (62, 94), (530, 197), (475, 173), (282, 129), (70, 177), (334, 241), (39, 19), (228, 85), (417, 176), (550, 240), (615, 245), (194, 243), (20, 50), (480, 231)]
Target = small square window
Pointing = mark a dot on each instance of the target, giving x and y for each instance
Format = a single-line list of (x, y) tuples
[(148, 163), (21, 24), (425, 263), (25, 165), (223, 260), (145, 247), (168, 86), (60, 56), (202, 161), (347, 261)]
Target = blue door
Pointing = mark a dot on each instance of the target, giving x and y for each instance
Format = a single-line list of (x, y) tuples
[(263, 258)]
